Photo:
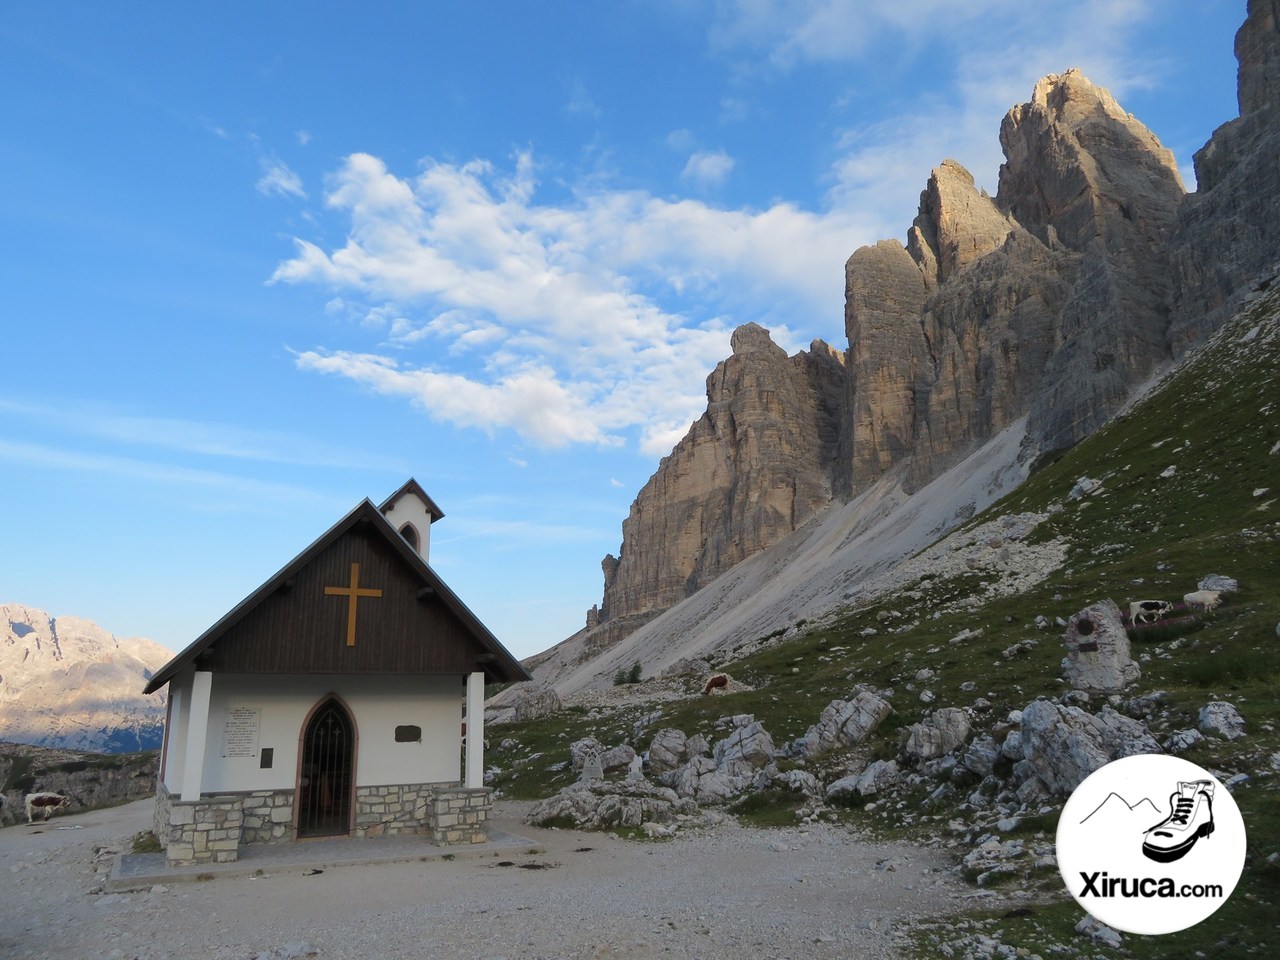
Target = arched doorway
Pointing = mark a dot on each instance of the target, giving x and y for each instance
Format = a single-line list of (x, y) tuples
[(325, 778)]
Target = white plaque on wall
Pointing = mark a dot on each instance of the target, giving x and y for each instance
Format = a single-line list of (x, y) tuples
[(240, 738)]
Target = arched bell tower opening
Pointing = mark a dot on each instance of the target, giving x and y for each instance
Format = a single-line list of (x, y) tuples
[(326, 775)]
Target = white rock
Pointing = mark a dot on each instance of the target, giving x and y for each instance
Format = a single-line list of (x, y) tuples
[(1221, 720)]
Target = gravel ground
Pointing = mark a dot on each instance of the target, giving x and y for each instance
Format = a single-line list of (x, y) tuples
[(725, 891)]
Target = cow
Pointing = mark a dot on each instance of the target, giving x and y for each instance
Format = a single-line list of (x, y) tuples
[(46, 802), (1206, 600), (1141, 610), (717, 681)]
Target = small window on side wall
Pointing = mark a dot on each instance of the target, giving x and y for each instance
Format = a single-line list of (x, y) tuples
[(408, 734), (410, 534)]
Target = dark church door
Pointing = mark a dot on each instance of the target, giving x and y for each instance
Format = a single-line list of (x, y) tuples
[(324, 784)]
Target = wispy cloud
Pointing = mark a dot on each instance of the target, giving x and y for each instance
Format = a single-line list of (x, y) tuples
[(52, 458), (580, 102), (587, 320), (563, 303), (707, 169), (303, 137), (278, 179), (201, 438)]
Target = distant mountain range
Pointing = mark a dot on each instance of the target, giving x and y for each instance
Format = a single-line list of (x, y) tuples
[(66, 682)]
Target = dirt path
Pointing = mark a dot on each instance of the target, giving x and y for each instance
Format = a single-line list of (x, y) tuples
[(722, 892)]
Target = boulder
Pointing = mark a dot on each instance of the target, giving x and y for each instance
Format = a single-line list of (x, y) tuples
[(617, 758), (844, 723), (844, 788), (1062, 745), (940, 733), (981, 755), (1097, 657), (799, 781), (750, 745), (667, 750), (1221, 720), (1218, 584), (1183, 740), (537, 701), (625, 803), (702, 781), (878, 775)]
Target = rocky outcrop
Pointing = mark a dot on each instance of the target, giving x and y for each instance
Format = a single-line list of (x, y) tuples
[(66, 682), (751, 470), (1061, 745), (1228, 231), (1050, 298)]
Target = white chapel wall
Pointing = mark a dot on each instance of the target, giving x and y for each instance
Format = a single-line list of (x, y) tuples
[(278, 707)]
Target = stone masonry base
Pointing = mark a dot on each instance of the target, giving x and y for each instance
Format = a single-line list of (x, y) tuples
[(212, 829)]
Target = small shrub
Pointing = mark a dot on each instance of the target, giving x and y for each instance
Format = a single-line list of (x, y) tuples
[(146, 842), (633, 676)]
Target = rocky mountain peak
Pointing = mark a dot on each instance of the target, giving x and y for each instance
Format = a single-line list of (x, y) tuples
[(1075, 161), (66, 682), (958, 224), (753, 338)]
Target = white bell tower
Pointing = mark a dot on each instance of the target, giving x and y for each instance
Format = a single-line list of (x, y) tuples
[(412, 512)]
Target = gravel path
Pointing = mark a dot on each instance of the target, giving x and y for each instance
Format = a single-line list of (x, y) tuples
[(722, 892)]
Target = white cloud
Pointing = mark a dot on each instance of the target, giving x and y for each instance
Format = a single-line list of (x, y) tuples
[(580, 102), (561, 306), (707, 169), (303, 137), (280, 180), (595, 318)]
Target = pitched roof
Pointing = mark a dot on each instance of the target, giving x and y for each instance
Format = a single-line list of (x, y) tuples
[(496, 661), (412, 486)]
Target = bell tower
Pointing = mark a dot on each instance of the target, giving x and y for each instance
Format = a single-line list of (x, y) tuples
[(412, 512)]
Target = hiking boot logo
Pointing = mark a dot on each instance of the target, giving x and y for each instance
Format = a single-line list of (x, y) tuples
[(1190, 818)]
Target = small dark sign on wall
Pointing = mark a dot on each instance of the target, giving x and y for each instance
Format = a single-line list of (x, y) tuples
[(408, 734), (268, 755)]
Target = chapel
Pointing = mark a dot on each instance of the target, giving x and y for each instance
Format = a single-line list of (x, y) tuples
[(342, 698)]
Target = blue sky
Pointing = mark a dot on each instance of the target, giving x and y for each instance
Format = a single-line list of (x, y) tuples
[(264, 260)]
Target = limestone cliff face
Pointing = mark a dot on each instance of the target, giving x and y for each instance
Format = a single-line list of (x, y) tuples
[(1090, 268), (1228, 232), (1048, 298), (752, 469)]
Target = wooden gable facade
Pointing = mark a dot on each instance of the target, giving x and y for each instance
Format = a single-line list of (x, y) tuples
[(360, 631), (291, 625)]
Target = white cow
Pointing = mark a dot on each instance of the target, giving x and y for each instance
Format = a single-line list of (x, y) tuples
[(46, 802), (1206, 600)]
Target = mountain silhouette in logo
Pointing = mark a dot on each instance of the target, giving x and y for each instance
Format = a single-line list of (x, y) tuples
[(1116, 809)]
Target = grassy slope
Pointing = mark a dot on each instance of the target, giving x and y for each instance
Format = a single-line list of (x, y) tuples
[(1142, 535)]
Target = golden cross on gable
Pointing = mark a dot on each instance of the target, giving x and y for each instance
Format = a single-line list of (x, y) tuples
[(352, 593)]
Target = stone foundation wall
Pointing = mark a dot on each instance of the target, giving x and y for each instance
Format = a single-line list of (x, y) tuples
[(392, 810), (268, 817), (211, 829), (460, 815), (203, 831), (160, 818)]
